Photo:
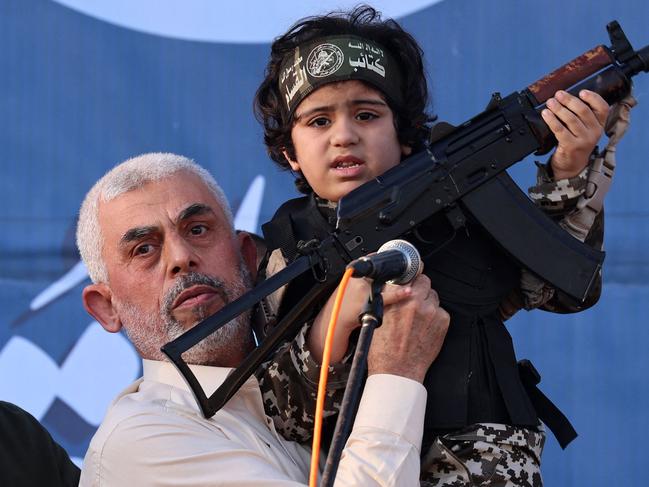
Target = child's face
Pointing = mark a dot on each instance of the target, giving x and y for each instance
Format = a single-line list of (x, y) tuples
[(344, 136)]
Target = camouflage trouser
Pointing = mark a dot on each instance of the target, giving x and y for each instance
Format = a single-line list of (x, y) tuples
[(495, 455)]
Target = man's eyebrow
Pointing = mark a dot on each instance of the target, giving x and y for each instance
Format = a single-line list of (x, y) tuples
[(193, 210), (327, 108), (137, 233)]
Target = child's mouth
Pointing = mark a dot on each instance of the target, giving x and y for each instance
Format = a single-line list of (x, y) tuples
[(344, 165), (347, 164)]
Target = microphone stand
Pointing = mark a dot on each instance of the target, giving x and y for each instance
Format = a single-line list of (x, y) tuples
[(370, 318)]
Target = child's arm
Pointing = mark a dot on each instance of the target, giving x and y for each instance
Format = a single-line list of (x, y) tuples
[(560, 191), (353, 302), (289, 386)]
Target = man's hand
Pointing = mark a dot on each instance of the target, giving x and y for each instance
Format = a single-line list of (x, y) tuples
[(412, 334), (578, 124)]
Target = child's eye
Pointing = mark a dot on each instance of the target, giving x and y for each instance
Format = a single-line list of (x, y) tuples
[(364, 116), (319, 122)]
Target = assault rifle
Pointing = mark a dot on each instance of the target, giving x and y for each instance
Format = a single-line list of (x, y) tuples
[(463, 170)]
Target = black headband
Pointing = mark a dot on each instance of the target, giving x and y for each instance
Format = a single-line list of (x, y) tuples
[(337, 58)]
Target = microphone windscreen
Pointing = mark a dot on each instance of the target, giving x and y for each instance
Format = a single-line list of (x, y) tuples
[(415, 264)]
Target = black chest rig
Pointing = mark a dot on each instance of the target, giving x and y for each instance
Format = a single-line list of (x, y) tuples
[(475, 378)]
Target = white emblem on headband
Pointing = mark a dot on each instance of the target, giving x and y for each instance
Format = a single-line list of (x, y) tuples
[(324, 60)]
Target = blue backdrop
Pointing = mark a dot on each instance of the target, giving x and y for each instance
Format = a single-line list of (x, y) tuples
[(79, 94)]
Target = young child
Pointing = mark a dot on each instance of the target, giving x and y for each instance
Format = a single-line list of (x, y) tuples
[(344, 99)]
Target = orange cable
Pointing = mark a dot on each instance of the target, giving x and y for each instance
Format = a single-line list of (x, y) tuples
[(324, 373)]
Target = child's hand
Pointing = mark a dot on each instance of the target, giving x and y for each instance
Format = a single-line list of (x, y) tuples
[(354, 300), (578, 124)]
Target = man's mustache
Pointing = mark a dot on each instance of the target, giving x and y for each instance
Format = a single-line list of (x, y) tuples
[(193, 279)]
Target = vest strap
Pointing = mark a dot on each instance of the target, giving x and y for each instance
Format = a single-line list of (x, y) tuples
[(547, 411)]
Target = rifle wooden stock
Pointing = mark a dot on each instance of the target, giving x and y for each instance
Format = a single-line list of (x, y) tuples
[(570, 73)]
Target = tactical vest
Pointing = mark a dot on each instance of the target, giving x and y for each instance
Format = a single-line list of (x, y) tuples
[(475, 378)]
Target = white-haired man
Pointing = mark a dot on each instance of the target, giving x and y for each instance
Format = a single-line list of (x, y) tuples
[(156, 234)]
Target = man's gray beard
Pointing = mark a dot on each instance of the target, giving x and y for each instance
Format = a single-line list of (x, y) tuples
[(149, 332)]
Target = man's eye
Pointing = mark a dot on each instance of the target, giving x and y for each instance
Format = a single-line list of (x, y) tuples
[(143, 249), (319, 122), (366, 116), (198, 229)]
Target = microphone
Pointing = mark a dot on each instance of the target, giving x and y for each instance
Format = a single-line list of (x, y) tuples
[(396, 262)]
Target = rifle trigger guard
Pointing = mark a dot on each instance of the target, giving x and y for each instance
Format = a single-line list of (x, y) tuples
[(317, 261)]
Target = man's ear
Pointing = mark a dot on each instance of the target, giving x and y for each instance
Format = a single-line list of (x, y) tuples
[(98, 302), (294, 164), (248, 249)]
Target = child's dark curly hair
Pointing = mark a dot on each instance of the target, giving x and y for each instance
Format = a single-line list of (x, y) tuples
[(362, 21)]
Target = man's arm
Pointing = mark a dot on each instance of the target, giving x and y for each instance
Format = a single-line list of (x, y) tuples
[(405, 345), (177, 450), (167, 442)]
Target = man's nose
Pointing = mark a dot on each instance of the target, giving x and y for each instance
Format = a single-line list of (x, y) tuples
[(344, 132), (181, 257)]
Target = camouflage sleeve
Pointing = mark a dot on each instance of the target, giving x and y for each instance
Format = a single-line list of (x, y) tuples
[(558, 198), (289, 386)]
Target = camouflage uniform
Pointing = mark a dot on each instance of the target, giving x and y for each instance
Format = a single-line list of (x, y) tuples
[(479, 454), (485, 454)]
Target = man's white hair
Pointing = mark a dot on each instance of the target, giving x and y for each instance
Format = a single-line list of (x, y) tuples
[(128, 176)]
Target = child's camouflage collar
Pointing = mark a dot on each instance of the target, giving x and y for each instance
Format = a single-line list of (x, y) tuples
[(337, 58)]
